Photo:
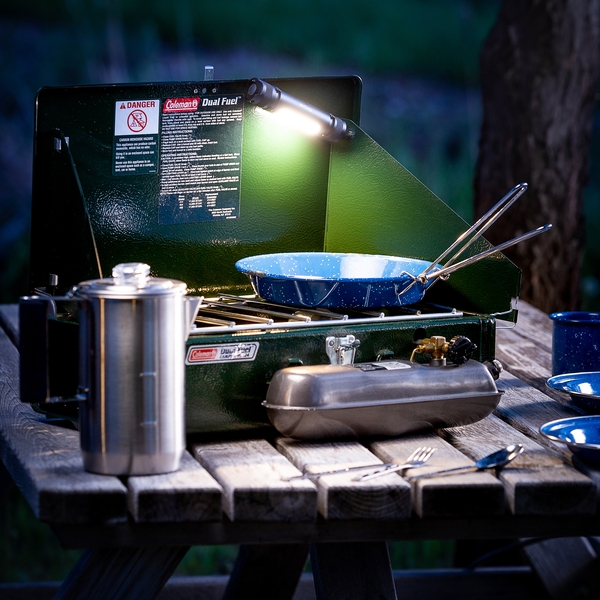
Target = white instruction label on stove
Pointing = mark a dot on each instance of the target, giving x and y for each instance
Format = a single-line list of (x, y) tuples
[(200, 159), (135, 144), (384, 365), (392, 365), (222, 353)]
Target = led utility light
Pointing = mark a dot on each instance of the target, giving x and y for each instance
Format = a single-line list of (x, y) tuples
[(308, 118)]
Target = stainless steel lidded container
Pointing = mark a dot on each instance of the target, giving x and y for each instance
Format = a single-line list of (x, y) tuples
[(133, 329)]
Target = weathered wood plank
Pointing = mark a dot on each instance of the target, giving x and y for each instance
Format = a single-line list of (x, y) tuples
[(470, 494), (44, 459), (9, 321), (339, 497), (562, 565), (121, 574), (535, 325), (266, 571), (537, 482), (251, 474), (189, 494), (527, 409), (567, 567), (354, 570), (506, 526), (522, 357), (526, 351)]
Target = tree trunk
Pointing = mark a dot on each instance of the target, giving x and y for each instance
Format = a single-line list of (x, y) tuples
[(540, 70)]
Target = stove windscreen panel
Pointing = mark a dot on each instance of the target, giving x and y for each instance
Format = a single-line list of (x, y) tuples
[(376, 206)]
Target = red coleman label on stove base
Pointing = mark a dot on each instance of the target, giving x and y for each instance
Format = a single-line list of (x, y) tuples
[(180, 105), (221, 353)]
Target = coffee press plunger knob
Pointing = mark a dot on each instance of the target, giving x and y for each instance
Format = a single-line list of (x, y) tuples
[(131, 274)]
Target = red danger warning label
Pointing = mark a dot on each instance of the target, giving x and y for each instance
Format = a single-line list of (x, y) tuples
[(137, 117), (137, 120), (135, 143), (221, 353)]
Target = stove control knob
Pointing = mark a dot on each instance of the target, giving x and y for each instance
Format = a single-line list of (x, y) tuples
[(460, 350)]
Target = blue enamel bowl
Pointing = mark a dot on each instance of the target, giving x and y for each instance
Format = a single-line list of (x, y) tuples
[(580, 434), (584, 389), (335, 280)]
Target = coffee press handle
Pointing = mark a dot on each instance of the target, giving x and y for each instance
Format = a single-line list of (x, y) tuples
[(49, 352), (33, 341)]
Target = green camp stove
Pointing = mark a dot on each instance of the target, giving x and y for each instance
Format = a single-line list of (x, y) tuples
[(189, 178)]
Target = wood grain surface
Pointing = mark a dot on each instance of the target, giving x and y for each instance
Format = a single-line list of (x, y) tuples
[(339, 496), (538, 482), (9, 321), (189, 494), (44, 459), (252, 473), (525, 349), (244, 480), (527, 409), (467, 494)]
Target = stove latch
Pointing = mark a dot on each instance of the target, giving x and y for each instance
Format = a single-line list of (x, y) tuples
[(341, 350)]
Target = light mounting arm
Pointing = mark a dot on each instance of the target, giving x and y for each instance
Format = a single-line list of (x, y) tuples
[(305, 116)]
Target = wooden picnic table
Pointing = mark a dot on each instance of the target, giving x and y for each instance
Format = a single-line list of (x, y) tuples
[(136, 530)]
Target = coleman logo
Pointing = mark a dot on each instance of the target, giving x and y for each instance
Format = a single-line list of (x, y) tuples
[(202, 354), (177, 105), (222, 353)]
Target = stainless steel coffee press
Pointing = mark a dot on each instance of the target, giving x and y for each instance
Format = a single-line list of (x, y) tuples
[(132, 333)]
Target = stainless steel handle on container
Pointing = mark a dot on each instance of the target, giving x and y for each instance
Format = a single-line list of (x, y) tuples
[(479, 227), (446, 270)]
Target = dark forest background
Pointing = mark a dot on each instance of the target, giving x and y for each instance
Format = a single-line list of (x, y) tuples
[(419, 60)]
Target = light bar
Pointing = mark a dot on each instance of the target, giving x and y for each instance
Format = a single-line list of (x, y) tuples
[(306, 117)]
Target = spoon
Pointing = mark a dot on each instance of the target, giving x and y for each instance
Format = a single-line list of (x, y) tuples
[(497, 459), (417, 459)]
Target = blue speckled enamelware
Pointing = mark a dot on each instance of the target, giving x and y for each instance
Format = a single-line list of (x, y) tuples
[(584, 389), (575, 342), (580, 434), (335, 280)]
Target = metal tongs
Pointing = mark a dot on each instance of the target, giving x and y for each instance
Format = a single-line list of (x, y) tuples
[(433, 271)]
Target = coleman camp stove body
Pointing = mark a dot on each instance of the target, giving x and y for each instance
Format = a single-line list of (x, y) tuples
[(192, 177)]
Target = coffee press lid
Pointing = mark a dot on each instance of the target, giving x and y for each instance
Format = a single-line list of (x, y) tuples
[(131, 280)]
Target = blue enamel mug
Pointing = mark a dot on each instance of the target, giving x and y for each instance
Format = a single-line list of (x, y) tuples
[(575, 342)]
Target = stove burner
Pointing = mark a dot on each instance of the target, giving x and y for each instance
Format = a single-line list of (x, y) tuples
[(228, 313)]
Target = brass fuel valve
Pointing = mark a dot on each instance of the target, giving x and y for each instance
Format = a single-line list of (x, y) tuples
[(458, 350)]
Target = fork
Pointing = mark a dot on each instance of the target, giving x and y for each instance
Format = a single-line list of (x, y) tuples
[(417, 459), (311, 475)]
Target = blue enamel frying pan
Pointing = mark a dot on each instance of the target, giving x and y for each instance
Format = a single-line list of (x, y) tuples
[(348, 280)]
